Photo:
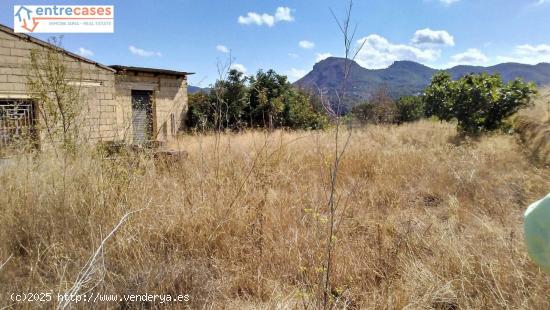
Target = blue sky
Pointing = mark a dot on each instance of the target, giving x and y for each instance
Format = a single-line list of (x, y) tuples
[(291, 36)]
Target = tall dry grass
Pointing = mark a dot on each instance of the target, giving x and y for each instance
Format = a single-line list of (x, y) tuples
[(533, 128), (540, 111), (424, 222)]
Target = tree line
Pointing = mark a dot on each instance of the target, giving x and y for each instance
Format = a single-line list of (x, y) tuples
[(478, 103), (265, 100)]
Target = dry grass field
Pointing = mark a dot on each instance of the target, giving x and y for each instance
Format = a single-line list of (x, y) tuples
[(423, 221), (533, 128)]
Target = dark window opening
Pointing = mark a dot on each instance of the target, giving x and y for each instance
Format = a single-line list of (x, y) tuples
[(17, 123), (173, 124)]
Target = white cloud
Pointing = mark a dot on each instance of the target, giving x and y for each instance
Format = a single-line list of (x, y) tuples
[(85, 52), (306, 44), (528, 54), (293, 55), (143, 53), (472, 56), (378, 52), (533, 50), (541, 2), (296, 74), (222, 48), (239, 67), (284, 14), (322, 56), (281, 14), (433, 37), (255, 18)]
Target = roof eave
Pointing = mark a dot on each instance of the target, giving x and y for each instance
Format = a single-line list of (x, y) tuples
[(120, 68), (26, 37)]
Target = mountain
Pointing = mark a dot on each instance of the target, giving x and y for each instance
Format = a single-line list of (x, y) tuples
[(401, 78), (194, 89)]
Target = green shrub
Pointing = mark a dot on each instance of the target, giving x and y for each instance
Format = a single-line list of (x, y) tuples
[(483, 102), (201, 112), (409, 109), (301, 113), (264, 100), (479, 102), (381, 109), (439, 97)]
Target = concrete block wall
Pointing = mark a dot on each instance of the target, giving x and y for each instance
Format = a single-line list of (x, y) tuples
[(171, 106), (169, 103), (96, 84)]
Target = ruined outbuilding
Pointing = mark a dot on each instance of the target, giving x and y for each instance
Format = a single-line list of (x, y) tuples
[(123, 104)]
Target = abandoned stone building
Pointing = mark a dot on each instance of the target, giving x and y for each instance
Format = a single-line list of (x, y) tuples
[(122, 104)]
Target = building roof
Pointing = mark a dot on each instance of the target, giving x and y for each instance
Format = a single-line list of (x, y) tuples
[(150, 70), (45, 44), (117, 68)]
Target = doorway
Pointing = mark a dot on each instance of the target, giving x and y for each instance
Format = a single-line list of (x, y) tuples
[(142, 116)]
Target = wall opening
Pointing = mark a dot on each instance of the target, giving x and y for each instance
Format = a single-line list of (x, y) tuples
[(142, 116), (172, 124), (17, 123)]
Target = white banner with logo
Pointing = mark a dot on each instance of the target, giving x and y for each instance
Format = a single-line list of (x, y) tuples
[(64, 18)]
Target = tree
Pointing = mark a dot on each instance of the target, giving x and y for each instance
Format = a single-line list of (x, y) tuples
[(267, 93), (409, 109), (479, 102), (202, 111), (483, 101), (381, 109), (299, 112), (61, 102), (264, 100), (235, 99), (439, 97), (363, 112)]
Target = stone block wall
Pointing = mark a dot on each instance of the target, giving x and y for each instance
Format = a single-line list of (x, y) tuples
[(96, 84), (169, 99), (106, 95)]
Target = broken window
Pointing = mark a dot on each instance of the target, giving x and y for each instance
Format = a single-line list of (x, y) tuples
[(17, 122)]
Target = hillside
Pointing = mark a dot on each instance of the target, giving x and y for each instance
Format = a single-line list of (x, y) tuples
[(402, 77), (195, 89)]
